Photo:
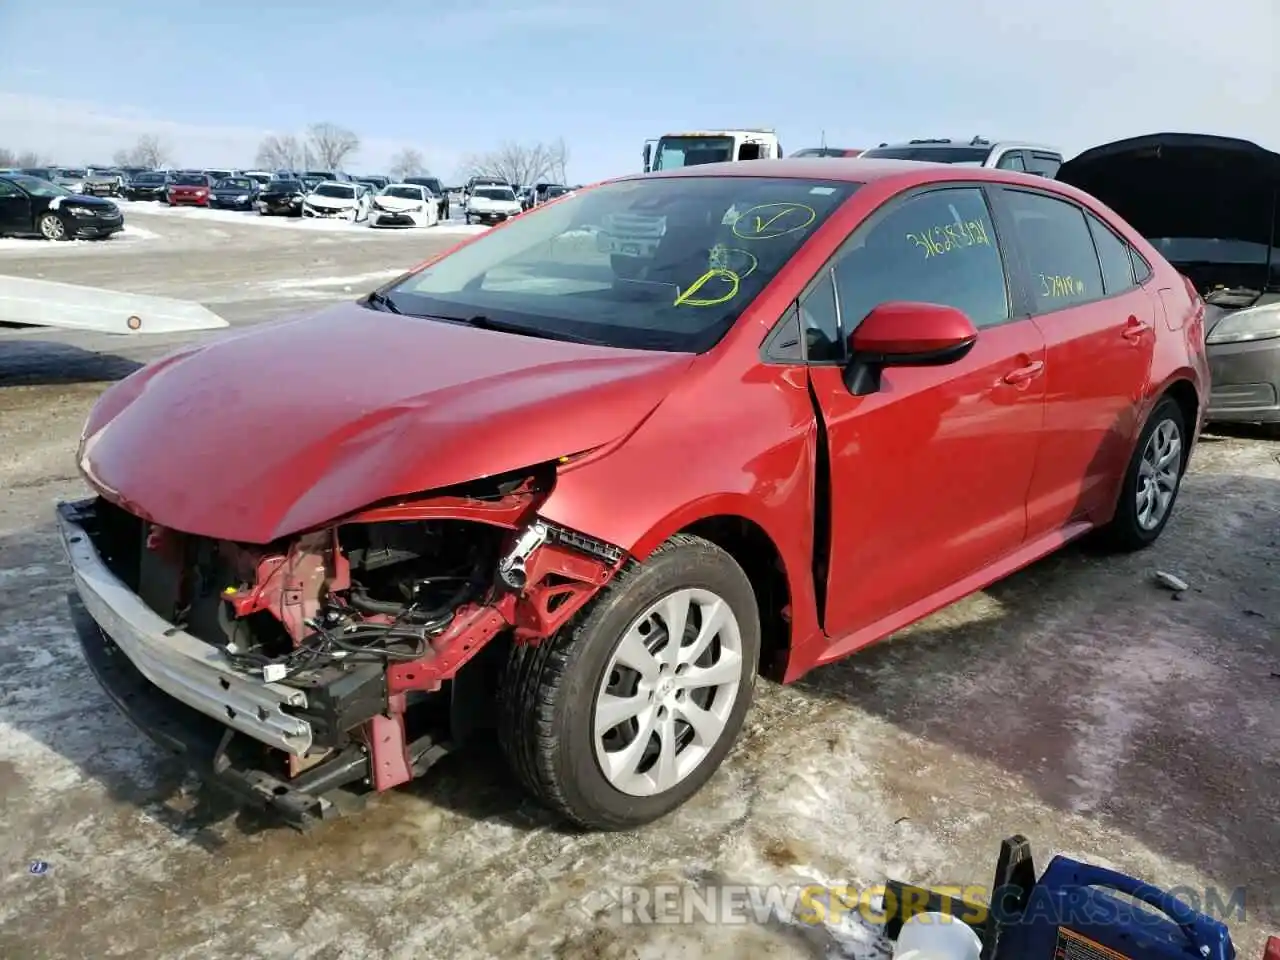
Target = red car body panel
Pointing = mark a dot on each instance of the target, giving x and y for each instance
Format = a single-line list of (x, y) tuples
[(293, 426), (442, 404)]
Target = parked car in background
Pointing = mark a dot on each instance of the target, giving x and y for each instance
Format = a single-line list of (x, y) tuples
[(311, 182), (1208, 204), (1015, 155), (610, 628), (102, 182), (525, 197), (70, 178), (828, 152), (334, 198), (474, 182), (374, 180), (29, 205), (219, 174), (404, 205), (437, 190), (282, 198), (552, 191), (149, 185), (234, 193), (491, 204), (40, 173), (260, 177), (333, 176), (188, 189)]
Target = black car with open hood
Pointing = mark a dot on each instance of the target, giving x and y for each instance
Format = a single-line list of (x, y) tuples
[(282, 197), (1211, 206)]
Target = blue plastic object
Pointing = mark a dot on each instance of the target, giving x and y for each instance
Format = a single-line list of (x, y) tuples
[(1072, 913)]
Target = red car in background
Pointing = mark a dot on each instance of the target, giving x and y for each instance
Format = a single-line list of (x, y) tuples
[(520, 487), (189, 189)]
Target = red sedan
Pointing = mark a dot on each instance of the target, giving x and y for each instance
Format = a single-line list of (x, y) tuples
[(189, 189), (587, 475)]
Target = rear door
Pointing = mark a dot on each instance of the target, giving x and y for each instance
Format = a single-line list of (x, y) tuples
[(1098, 325), (928, 475)]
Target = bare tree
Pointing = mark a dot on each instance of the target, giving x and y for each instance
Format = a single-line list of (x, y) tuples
[(280, 153), (560, 161), (519, 164), (8, 158), (150, 151), (407, 163), (331, 144), (29, 158)]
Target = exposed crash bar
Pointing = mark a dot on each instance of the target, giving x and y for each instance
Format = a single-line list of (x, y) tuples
[(180, 664)]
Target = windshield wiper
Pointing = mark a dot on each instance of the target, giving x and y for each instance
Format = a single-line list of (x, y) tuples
[(383, 301), (482, 322)]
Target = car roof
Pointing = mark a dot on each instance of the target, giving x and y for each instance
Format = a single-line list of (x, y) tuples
[(943, 143), (899, 173)]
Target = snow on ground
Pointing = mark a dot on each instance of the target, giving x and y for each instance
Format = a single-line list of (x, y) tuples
[(308, 287), (40, 245), (288, 223)]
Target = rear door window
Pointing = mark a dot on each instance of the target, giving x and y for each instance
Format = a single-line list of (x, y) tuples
[(1012, 161), (1044, 164), (1056, 248), (1113, 255)]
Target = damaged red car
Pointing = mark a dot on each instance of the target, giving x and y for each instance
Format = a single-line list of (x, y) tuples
[(585, 477)]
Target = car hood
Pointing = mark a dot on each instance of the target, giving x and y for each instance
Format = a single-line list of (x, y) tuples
[(293, 424), (398, 203), (1183, 185)]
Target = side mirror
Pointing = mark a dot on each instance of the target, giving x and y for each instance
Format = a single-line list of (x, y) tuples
[(905, 334)]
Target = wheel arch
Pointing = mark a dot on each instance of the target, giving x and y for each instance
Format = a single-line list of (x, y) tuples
[(751, 547)]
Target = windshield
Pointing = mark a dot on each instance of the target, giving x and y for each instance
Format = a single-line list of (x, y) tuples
[(40, 188), (959, 156), (675, 152), (148, 178), (235, 183), (656, 264), (495, 193), (555, 192), (336, 190), (190, 180), (407, 193)]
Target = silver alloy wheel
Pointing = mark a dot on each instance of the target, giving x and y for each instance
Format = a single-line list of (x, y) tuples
[(51, 227), (667, 692), (1159, 473)]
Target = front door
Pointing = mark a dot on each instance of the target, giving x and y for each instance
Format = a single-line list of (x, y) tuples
[(1098, 326), (15, 210), (928, 475)]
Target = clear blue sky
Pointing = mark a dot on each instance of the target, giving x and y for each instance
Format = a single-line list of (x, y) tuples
[(454, 78)]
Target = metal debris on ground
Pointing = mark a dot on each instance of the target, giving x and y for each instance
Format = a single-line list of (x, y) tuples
[(1170, 582)]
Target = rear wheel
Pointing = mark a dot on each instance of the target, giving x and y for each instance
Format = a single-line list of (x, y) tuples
[(1152, 481), (625, 714)]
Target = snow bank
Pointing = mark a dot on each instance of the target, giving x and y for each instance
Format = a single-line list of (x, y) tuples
[(253, 218), (38, 245)]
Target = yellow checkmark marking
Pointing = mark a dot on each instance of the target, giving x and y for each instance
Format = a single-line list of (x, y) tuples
[(763, 225)]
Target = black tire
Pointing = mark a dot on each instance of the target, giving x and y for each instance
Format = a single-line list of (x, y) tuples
[(548, 690), (1124, 534)]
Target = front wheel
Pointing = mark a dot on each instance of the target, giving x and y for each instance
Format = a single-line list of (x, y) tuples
[(627, 711), (1151, 482), (52, 227)]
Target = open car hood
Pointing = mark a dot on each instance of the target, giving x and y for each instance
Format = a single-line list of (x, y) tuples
[(1184, 185), (291, 425)]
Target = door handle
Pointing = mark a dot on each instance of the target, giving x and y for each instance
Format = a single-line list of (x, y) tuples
[(1134, 329), (1023, 374)]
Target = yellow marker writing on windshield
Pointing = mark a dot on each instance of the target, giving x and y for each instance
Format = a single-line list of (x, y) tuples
[(769, 220), (686, 298)]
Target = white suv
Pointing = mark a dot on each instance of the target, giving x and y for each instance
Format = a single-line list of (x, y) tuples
[(1004, 155)]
